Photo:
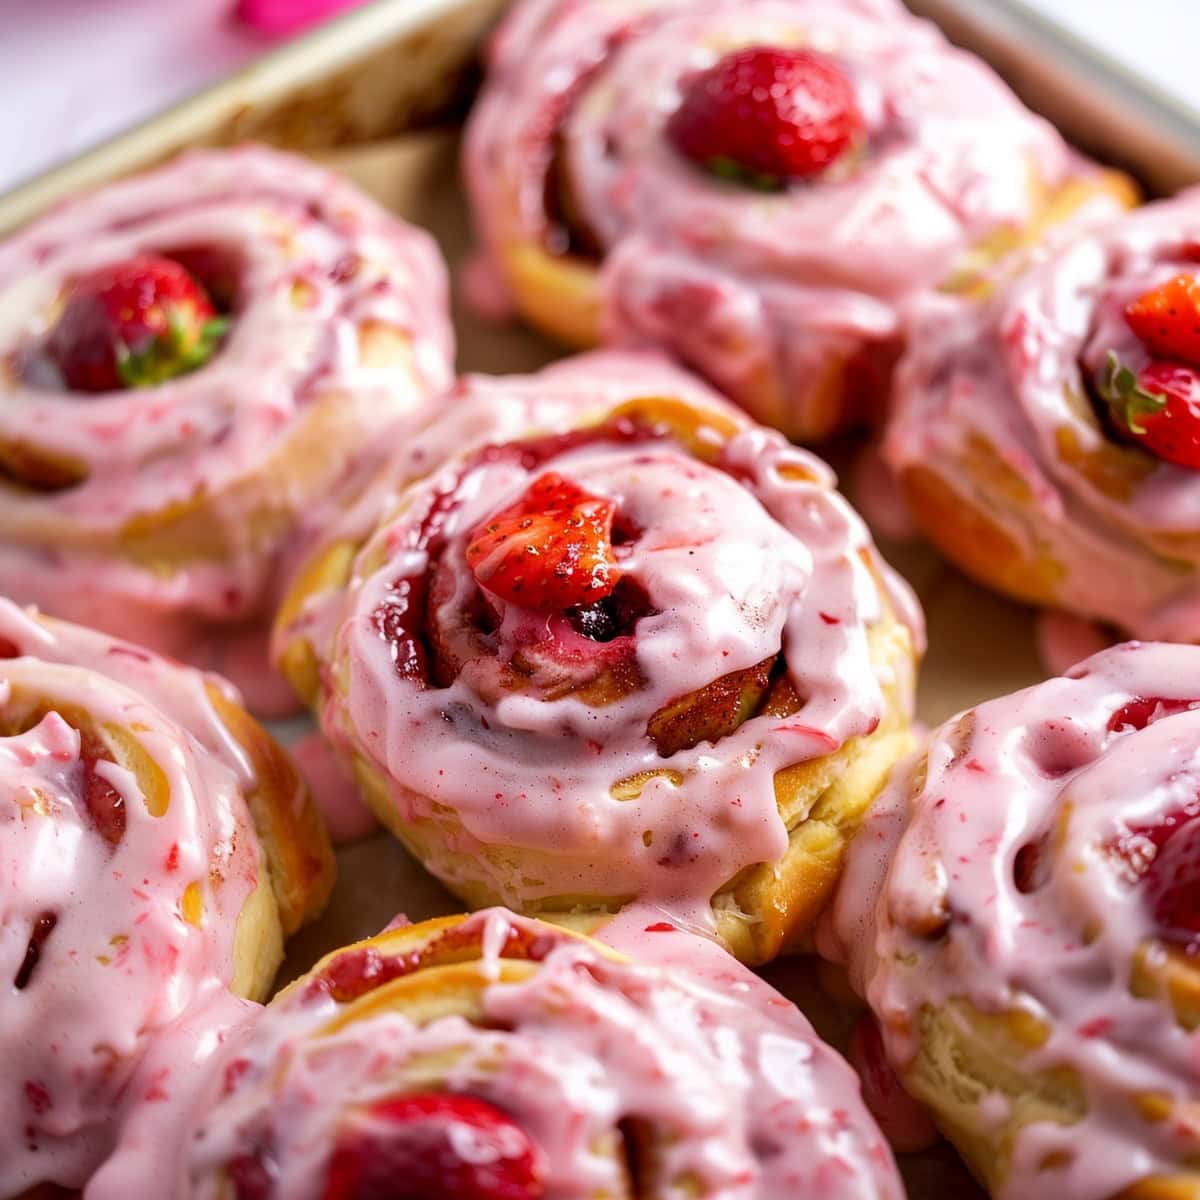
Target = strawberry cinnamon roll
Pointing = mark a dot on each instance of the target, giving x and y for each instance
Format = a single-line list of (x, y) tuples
[(156, 848), (758, 186), (1022, 910), (493, 1057), (188, 360), (638, 649), (1049, 443)]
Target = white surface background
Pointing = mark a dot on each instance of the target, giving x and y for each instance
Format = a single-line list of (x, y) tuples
[(77, 71)]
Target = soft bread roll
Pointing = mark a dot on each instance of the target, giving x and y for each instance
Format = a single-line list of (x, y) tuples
[(494, 1056), (791, 298), (160, 513), (157, 848), (708, 735)]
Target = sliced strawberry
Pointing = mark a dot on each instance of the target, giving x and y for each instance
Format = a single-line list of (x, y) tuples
[(1158, 408), (434, 1147), (1142, 711), (1167, 320), (766, 115), (1172, 880), (134, 324), (551, 550)]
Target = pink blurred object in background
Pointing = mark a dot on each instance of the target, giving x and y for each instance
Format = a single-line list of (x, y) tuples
[(85, 70), (288, 16)]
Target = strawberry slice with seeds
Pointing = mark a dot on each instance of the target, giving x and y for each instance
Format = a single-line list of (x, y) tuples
[(764, 115), (1158, 408), (434, 1147), (1167, 319), (550, 551), (1172, 880), (134, 324)]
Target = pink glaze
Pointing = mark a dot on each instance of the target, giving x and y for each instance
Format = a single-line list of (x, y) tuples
[(739, 561), (120, 962), (175, 1066), (748, 1101), (761, 292), (1072, 768), (1017, 374), (316, 262), (347, 818)]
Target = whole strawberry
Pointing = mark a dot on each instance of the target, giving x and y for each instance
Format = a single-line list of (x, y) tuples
[(1167, 320), (1159, 408), (550, 551), (434, 1147), (766, 115), (134, 324)]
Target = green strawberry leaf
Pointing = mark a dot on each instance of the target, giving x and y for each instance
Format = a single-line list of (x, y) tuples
[(1128, 400)]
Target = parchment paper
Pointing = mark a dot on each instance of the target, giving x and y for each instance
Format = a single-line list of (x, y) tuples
[(979, 644)]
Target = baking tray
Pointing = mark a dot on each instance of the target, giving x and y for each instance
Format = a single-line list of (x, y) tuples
[(353, 92)]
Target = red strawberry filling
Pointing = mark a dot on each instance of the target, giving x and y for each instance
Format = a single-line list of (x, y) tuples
[(1142, 711), (134, 324), (105, 805), (252, 1176), (1163, 858), (359, 970), (765, 115), (434, 1147), (43, 927), (574, 575)]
